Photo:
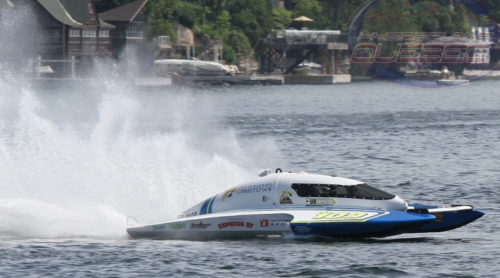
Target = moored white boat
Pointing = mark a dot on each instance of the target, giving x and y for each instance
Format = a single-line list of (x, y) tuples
[(190, 68), (452, 81)]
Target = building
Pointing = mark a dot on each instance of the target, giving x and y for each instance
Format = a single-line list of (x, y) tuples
[(129, 25), (286, 50), (129, 44), (57, 31)]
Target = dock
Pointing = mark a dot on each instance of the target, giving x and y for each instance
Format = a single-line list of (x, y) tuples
[(157, 82), (317, 79), (50, 83), (229, 80), (289, 79)]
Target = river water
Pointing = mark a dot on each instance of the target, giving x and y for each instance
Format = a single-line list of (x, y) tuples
[(75, 162)]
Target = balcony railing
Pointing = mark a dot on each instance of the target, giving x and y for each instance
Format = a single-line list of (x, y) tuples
[(306, 37)]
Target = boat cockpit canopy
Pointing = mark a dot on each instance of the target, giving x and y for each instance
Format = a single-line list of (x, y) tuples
[(358, 191)]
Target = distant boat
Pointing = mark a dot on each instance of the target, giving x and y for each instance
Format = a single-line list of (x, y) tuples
[(306, 68), (452, 82), (191, 68)]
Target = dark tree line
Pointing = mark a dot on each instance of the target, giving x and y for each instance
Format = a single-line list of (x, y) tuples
[(241, 24)]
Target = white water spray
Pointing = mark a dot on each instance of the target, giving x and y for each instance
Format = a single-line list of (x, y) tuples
[(76, 164)]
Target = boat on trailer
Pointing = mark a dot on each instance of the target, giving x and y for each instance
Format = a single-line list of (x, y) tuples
[(302, 204)]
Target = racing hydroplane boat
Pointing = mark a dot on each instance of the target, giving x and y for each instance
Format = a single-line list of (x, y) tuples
[(301, 204)]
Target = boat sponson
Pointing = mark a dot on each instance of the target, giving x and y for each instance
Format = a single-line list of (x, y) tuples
[(384, 223), (341, 223), (446, 221)]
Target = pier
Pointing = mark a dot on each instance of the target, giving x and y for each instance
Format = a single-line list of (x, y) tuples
[(288, 49), (49, 83), (317, 79), (229, 80)]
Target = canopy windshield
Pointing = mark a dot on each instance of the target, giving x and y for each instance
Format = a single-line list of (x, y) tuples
[(358, 191)]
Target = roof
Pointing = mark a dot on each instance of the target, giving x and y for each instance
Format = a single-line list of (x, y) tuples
[(71, 12), (80, 9), (57, 10), (125, 13), (5, 5), (303, 18)]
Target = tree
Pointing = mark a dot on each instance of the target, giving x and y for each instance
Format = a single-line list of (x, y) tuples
[(282, 18), (308, 8)]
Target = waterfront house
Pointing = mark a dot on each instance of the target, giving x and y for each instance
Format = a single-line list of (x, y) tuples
[(56, 31), (128, 41)]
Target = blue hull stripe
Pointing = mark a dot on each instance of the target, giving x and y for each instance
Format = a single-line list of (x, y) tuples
[(207, 206)]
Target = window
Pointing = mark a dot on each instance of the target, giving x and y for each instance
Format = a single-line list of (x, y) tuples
[(359, 191), (342, 191), (74, 33), (89, 33), (164, 40), (103, 33), (52, 36), (134, 30), (365, 191), (314, 190)]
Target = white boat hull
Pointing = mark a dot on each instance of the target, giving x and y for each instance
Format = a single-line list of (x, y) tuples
[(190, 68), (452, 82), (327, 222)]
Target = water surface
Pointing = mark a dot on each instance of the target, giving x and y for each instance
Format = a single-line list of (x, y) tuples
[(74, 163)]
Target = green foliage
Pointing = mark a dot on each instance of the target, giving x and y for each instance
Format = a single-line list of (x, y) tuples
[(229, 55), (161, 27), (237, 40), (253, 17), (282, 18), (187, 13), (160, 18), (248, 24), (309, 8), (223, 24), (241, 24)]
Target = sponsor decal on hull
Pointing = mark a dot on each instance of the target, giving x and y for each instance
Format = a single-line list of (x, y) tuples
[(235, 224), (302, 229), (189, 214), (439, 217), (158, 227), (279, 223), (264, 222), (177, 226), (286, 198), (320, 202), (254, 188), (347, 216), (228, 193), (199, 226)]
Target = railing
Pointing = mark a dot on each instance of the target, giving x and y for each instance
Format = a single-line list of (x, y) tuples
[(306, 37), (37, 65), (164, 42)]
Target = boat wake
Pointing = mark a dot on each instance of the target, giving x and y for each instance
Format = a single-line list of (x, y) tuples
[(77, 163)]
